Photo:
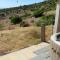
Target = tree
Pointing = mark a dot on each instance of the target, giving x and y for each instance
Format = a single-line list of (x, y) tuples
[(16, 19), (52, 3), (38, 13), (46, 20)]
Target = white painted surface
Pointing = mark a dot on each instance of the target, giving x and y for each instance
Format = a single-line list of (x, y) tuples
[(57, 18), (55, 47)]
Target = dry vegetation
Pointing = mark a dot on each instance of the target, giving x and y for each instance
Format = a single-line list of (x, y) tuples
[(48, 32), (12, 40), (19, 38)]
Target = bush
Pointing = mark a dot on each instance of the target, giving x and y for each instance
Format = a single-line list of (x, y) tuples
[(16, 19), (46, 20), (38, 13), (1, 26), (25, 16), (24, 24), (41, 21)]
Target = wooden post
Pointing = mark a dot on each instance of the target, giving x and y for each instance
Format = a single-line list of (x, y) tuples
[(43, 33)]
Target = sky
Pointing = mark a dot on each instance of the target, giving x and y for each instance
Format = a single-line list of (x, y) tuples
[(14, 3)]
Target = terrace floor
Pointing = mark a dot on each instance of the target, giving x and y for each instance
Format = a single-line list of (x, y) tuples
[(35, 52)]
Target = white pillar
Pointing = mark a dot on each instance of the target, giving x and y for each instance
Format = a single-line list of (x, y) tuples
[(57, 20)]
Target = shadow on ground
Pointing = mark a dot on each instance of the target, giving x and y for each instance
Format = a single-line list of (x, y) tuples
[(42, 54)]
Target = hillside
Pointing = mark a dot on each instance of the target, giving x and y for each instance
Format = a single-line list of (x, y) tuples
[(22, 10), (38, 12)]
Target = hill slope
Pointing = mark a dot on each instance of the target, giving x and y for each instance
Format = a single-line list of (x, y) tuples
[(46, 6)]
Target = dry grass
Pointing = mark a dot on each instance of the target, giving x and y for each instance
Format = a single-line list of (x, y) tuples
[(48, 32), (12, 40), (19, 38)]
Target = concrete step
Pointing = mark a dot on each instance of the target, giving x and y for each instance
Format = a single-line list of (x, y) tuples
[(35, 52), (42, 54)]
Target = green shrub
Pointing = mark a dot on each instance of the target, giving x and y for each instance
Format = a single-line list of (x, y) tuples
[(41, 21), (1, 26), (51, 19), (16, 19), (24, 24), (46, 20), (25, 16), (38, 13), (10, 17)]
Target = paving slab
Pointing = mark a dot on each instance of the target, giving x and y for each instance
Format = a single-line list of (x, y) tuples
[(35, 52)]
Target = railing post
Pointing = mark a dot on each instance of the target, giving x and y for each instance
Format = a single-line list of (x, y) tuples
[(43, 33)]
